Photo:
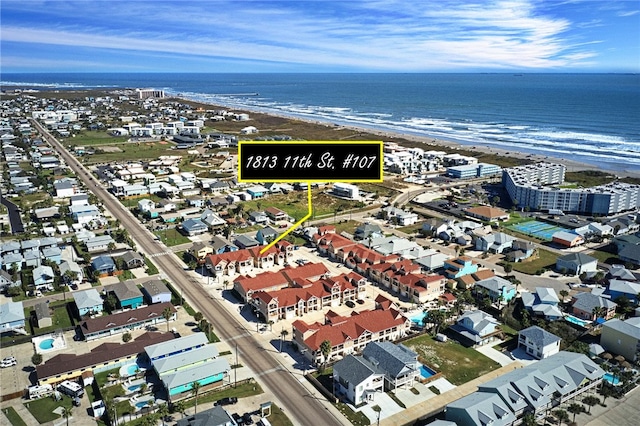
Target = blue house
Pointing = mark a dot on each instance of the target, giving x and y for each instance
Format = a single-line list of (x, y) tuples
[(257, 191), (104, 265), (11, 316), (460, 266), (88, 302), (54, 254), (194, 227), (222, 245), (498, 289), (42, 276), (128, 295), (266, 235), (628, 289)]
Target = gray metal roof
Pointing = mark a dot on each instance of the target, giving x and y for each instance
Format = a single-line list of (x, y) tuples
[(626, 327), (196, 373), (587, 302), (182, 359), (355, 370), (176, 345), (539, 336), (393, 359), (87, 298), (216, 416)]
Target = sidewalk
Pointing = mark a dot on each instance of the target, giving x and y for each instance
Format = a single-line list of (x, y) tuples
[(438, 402)]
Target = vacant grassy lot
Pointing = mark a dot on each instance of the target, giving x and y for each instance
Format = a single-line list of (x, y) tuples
[(605, 257), (14, 417), (171, 237), (42, 409), (95, 138), (456, 362), (130, 152), (546, 260), (295, 204)]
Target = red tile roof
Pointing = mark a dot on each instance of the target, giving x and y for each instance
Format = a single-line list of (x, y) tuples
[(350, 328)]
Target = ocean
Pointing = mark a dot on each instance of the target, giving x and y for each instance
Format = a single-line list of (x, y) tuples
[(591, 118)]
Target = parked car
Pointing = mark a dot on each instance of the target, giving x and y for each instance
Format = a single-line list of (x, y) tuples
[(350, 303), (5, 364), (238, 419), (247, 419), (9, 359), (227, 401)]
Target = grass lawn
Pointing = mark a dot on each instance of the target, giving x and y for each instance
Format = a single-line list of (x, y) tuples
[(59, 319), (14, 417), (96, 138), (42, 409), (412, 229), (346, 226), (295, 203), (456, 362), (129, 152), (151, 268), (546, 260), (171, 237), (605, 257)]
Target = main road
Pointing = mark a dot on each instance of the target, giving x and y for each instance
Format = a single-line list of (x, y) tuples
[(298, 403)]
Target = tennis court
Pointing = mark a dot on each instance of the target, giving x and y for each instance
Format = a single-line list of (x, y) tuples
[(541, 230)]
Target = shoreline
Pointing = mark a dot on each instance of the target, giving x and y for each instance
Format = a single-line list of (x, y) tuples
[(434, 144), (424, 141)]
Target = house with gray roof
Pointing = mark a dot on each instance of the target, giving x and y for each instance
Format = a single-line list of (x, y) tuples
[(11, 317), (245, 241), (543, 302), (590, 307), (6, 280), (399, 363), (128, 294), (222, 245), (368, 230), (536, 388), (481, 409), (538, 342), (622, 337), (216, 416), (132, 259), (42, 315), (576, 263), (357, 380), (156, 291), (496, 288), (476, 327), (497, 242), (88, 302), (193, 227), (628, 289)]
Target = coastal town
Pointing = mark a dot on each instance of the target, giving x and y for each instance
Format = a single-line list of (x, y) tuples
[(144, 284)]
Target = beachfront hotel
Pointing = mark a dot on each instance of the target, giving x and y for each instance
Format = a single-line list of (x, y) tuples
[(536, 186)]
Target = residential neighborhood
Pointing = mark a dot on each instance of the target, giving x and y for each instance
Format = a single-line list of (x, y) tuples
[(142, 280)]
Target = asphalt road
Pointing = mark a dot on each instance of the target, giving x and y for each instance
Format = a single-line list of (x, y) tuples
[(14, 216), (298, 404)]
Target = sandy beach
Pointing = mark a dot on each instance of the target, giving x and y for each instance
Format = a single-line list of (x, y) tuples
[(426, 142)]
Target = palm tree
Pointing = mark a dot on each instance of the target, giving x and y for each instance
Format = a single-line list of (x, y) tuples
[(167, 314), (561, 415), (325, 350), (575, 408), (271, 325), (564, 294), (178, 407), (590, 400), (66, 413), (198, 316), (163, 411), (529, 419), (195, 388), (283, 335)]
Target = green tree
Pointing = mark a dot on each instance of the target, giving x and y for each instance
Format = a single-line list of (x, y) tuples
[(195, 389), (563, 295), (606, 391), (178, 407), (437, 318), (283, 335), (508, 267), (167, 314), (561, 415), (163, 412), (325, 350), (126, 337), (198, 316), (590, 400), (529, 419), (575, 408), (36, 359), (66, 413)]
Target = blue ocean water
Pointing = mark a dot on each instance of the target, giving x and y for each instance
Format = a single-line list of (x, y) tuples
[(592, 118)]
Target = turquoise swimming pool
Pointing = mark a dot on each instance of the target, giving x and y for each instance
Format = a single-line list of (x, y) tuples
[(577, 321), (611, 379), (426, 372)]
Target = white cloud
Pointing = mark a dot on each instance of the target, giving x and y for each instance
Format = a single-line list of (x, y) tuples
[(401, 35)]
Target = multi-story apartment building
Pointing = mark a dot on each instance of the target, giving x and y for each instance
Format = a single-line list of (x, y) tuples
[(531, 186)]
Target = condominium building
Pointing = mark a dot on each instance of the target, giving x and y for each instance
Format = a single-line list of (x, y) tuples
[(531, 186)]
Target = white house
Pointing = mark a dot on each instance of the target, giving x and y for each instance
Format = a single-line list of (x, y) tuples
[(357, 379), (538, 342)]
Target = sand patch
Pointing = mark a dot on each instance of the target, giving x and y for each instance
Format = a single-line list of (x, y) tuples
[(163, 143), (110, 149)]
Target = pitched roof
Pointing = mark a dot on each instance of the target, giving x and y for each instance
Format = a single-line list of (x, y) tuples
[(390, 358), (587, 302), (578, 258), (355, 370), (125, 290), (68, 362), (539, 336), (87, 298), (108, 322)]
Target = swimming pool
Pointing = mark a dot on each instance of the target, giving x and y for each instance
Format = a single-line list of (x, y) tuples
[(537, 229), (577, 321), (426, 372), (419, 319), (611, 379), (129, 370), (46, 344), (134, 388), (141, 404)]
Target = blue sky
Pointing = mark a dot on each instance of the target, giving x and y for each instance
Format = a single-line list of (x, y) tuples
[(320, 36)]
